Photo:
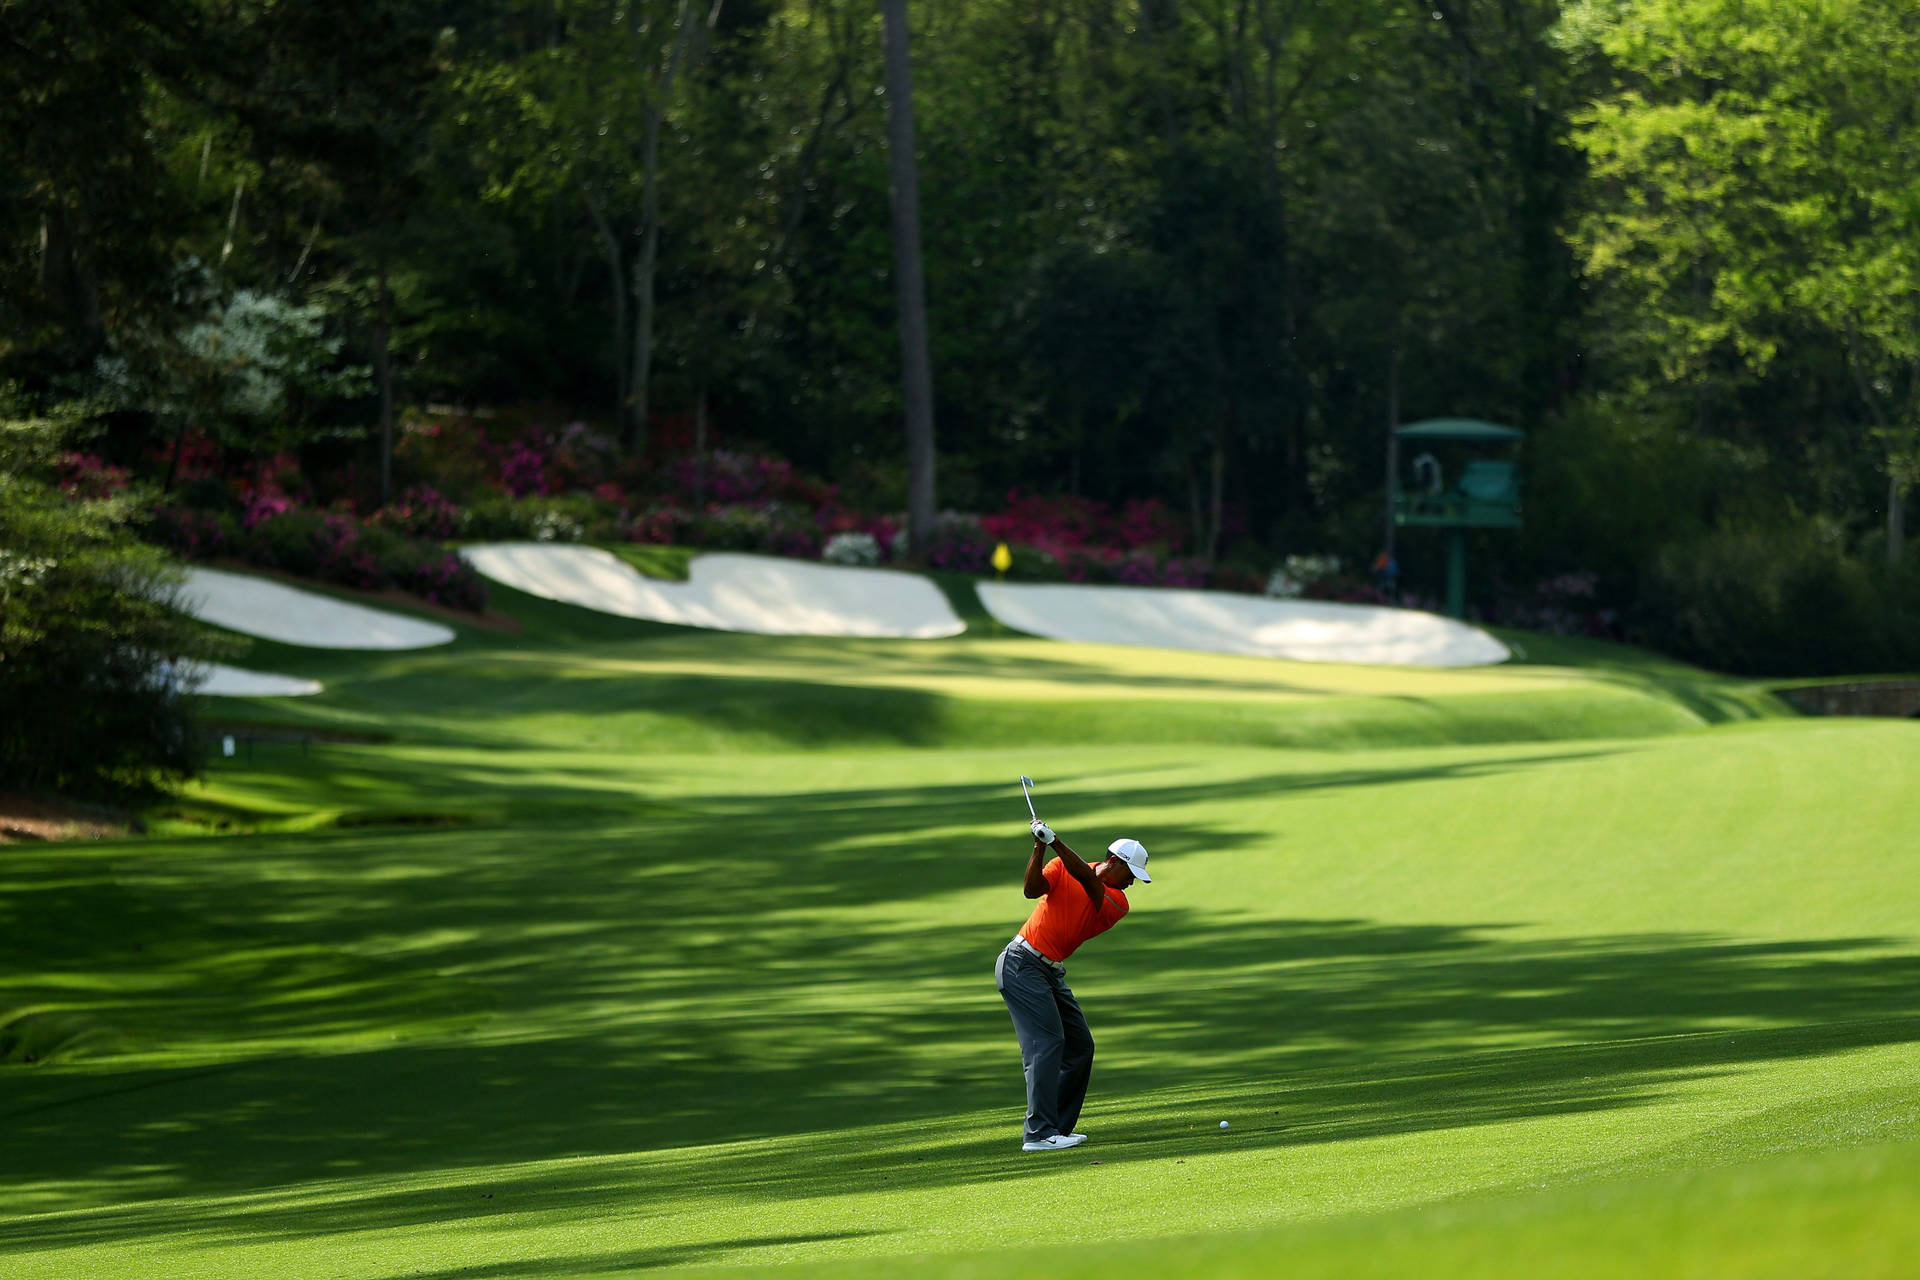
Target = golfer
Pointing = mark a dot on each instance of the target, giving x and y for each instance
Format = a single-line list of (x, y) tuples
[(1077, 902)]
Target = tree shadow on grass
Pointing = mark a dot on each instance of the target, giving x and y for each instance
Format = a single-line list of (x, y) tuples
[(629, 1261), (1305, 1031), (290, 933), (778, 693), (578, 790), (658, 1028)]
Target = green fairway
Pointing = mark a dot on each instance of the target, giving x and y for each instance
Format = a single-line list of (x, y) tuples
[(604, 947)]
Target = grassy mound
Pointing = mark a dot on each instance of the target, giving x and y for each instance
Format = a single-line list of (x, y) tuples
[(574, 677)]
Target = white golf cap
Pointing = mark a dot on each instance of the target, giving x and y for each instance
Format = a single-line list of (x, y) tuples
[(1134, 854)]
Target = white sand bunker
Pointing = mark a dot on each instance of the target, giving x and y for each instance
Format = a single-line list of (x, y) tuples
[(219, 680), (1219, 622), (258, 607), (727, 592)]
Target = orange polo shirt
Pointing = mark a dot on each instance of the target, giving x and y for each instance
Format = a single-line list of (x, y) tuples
[(1065, 916)]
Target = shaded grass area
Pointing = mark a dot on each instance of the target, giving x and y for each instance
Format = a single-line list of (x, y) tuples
[(515, 705), (602, 1049), (1715, 699), (659, 1012), (640, 1124)]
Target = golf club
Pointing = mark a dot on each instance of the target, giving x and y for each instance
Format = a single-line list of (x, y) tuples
[(1025, 784)]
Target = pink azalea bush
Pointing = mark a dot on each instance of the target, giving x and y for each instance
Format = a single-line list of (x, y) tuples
[(193, 456), (730, 478), (1146, 522), (523, 471), (1082, 540), (486, 477), (194, 534), (959, 545), (423, 512), (332, 546), (1565, 604), (264, 505), (450, 581), (87, 475), (834, 519), (1063, 524)]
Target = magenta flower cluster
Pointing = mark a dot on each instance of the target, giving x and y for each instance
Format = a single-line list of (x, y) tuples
[(423, 512), (1059, 525), (540, 460), (449, 581), (1142, 568), (1089, 541), (265, 505), (572, 482), (729, 478), (1563, 605), (197, 535), (87, 475), (524, 470)]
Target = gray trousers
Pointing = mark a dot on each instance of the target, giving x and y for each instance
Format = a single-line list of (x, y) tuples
[(1056, 1048)]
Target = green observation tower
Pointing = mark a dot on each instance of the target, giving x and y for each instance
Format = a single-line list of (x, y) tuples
[(1485, 493)]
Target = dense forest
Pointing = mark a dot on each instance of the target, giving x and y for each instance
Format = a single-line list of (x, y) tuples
[(1194, 253)]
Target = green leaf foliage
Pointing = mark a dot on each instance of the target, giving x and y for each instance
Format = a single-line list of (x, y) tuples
[(1756, 182), (90, 643)]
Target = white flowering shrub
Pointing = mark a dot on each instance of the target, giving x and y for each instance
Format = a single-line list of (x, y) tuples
[(244, 367), (20, 571), (852, 548), (1297, 573), (556, 526)]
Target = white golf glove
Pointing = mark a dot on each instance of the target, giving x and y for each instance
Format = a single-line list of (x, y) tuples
[(1042, 832)]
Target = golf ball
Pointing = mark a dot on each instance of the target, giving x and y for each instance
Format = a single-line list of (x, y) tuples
[(1223, 1124)]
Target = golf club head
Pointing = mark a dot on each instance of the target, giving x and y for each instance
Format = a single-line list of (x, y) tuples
[(1026, 785)]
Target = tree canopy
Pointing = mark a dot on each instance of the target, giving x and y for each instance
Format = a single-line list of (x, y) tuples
[(1190, 250)]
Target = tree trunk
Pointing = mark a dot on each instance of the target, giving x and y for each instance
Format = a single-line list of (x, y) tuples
[(1878, 414), (300, 263), (68, 282), (1196, 520), (1159, 20), (233, 221), (383, 376), (633, 433), (1393, 442), (700, 450), (1293, 488), (617, 276), (173, 454), (1896, 519), (909, 282), (1216, 505), (633, 427)]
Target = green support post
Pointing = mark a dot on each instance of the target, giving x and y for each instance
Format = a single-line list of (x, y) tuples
[(1486, 495), (1457, 573)]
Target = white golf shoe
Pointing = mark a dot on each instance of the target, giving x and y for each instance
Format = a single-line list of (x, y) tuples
[(1058, 1142)]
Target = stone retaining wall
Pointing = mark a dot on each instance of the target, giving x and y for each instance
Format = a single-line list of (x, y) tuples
[(1898, 698)]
